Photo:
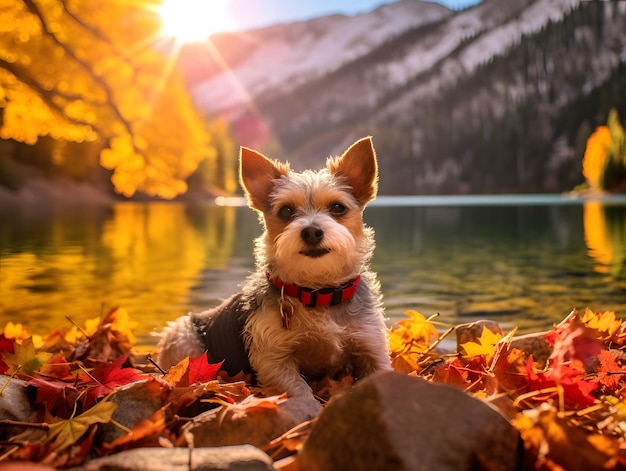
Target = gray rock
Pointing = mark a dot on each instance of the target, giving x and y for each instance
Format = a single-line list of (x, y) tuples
[(534, 344), (135, 402), (392, 421), (235, 458), (245, 422), (14, 405)]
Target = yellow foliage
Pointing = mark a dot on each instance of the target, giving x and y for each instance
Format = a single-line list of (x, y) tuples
[(15, 331), (605, 324), (86, 71), (596, 152), (485, 345), (604, 163), (410, 340)]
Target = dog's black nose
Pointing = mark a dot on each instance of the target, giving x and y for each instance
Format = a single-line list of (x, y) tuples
[(312, 235)]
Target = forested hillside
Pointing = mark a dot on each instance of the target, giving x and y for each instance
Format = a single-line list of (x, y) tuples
[(517, 123)]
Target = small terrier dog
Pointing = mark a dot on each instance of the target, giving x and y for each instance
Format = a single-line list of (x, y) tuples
[(313, 307)]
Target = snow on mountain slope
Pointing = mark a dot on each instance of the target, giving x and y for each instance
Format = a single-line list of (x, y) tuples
[(286, 56), (494, 33), (467, 40), (499, 38)]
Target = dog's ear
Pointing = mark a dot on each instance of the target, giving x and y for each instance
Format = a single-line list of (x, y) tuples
[(257, 174), (358, 165)]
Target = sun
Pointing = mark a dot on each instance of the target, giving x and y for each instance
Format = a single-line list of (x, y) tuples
[(194, 20)]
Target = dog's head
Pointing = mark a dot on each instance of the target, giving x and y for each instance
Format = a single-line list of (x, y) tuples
[(314, 220)]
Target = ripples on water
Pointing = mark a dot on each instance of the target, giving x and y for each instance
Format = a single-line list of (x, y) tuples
[(523, 261)]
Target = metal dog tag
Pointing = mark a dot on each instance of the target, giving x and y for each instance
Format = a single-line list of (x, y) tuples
[(286, 311)]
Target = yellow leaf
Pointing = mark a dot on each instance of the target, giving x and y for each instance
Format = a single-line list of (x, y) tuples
[(604, 323), (485, 345), (416, 331), (67, 432), (25, 359), (410, 340), (15, 331)]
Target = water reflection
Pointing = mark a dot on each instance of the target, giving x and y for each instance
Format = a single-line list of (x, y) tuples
[(605, 236), (145, 257), (525, 266)]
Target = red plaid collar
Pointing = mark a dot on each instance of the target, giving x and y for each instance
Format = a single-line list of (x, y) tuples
[(318, 297)]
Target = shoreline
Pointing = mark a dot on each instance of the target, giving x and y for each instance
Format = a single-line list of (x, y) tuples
[(44, 192)]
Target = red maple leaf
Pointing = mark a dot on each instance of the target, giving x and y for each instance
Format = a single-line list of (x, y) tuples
[(56, 395), (109, 376), (576, 390), (201, 371), (573, 340), (452, 373), (6, 345)]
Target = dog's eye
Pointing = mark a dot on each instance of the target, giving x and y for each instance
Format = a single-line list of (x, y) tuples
[(337, 209), (286, 212)]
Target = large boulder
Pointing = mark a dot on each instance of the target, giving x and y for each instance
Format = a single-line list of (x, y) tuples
[(392, 421)]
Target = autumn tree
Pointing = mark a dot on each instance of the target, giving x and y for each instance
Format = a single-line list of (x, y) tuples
[(604, 162), (87, 71)]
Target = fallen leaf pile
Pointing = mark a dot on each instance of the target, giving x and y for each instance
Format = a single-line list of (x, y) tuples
[(570, 409), (71, 377)]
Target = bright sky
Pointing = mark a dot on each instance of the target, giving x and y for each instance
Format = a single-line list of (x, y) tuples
[(190, 20), (266, 12)]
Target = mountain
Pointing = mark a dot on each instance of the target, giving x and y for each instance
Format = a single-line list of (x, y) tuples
[(496, 98)]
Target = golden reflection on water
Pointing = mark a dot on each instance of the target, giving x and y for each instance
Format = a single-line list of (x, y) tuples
[(146, 258), (522, 266), (605, 236)]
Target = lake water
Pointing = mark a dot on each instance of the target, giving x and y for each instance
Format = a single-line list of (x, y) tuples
[(524, 261)]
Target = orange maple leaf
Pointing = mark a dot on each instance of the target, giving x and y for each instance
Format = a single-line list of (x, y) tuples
[(610, 374), (143, 431), (177, 375)]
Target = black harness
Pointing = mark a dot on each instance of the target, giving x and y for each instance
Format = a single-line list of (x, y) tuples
[(221, 331)]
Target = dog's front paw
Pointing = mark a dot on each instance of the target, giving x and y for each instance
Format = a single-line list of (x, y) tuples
[(283, 378), (300, 390)]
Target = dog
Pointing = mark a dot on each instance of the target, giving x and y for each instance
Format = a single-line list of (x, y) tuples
[(313, 307)]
